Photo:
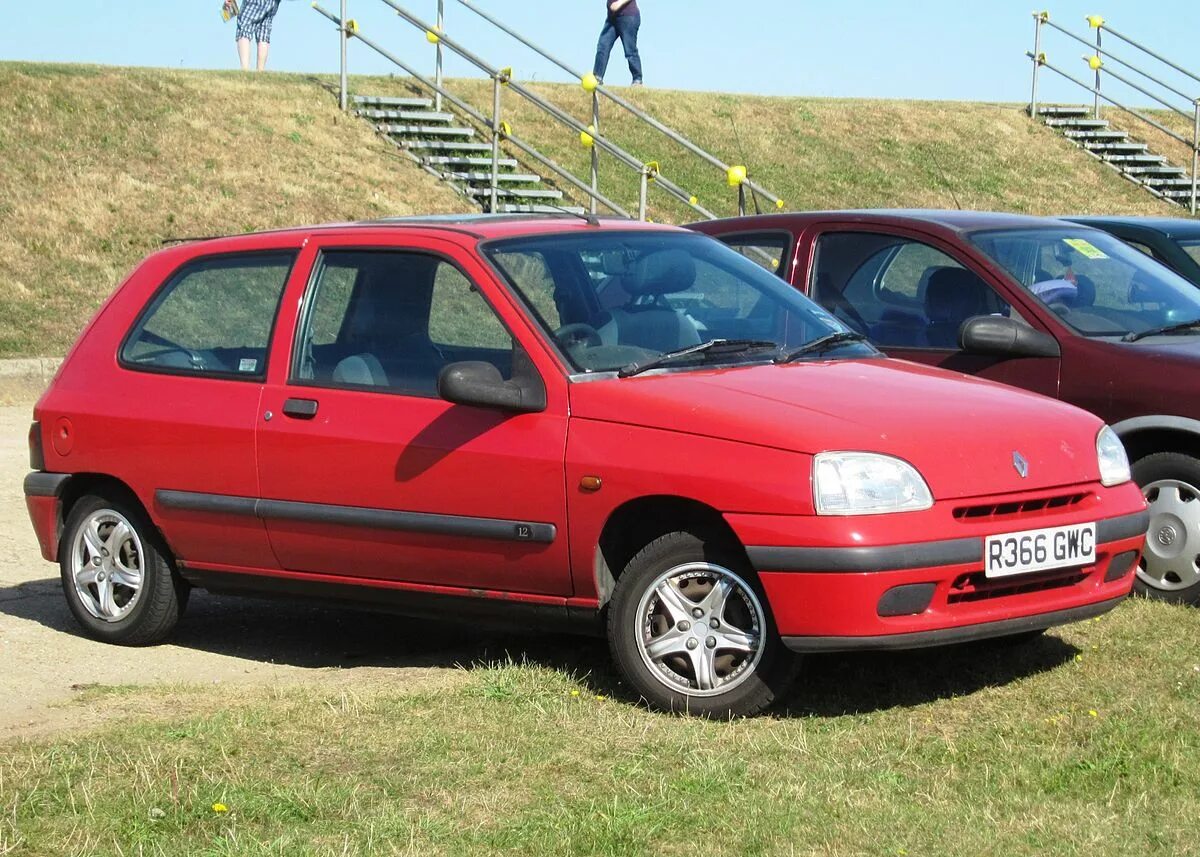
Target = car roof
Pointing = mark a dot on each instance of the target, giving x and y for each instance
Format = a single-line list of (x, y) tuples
[(948, 219), (480, 226), (1170, 226)]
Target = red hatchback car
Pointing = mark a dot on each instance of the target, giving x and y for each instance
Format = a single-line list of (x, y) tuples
[(613, 427)]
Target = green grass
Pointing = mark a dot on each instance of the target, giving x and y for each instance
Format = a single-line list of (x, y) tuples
[(1083, 743), (98, 165)]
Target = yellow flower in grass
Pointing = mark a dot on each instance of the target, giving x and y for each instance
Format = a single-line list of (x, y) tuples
[(574, 693), (1093, 712), (220, 808)]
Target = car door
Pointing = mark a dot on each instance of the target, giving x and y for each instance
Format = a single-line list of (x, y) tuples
[(366, 473), (193, 365), (910, 295)]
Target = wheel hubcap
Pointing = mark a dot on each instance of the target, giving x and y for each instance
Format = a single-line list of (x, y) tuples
[(700, 629), (106, 565), (1170, 559)]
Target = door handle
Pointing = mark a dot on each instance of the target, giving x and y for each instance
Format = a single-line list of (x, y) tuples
[(301, 409)]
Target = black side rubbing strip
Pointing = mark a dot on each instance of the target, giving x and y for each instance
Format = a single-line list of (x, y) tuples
[(38, 484), (354, 516), (1125, 527)]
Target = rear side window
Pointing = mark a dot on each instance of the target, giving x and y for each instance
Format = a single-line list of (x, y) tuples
[(213, 317)]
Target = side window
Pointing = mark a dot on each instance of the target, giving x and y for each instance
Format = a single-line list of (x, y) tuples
[(391, 321), (767, 251), (533, 279), (899, 292), (213, 317)]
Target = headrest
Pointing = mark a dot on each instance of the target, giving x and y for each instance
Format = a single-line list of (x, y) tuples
[(952, 294), (661, 273)]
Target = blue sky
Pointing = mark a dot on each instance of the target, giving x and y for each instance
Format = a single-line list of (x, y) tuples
[(969, 49)]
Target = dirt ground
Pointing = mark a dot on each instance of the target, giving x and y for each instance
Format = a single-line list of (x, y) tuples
[(45, 661)]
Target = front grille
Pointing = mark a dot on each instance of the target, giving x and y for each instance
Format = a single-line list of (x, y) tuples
[(977, 586), (993, 511)]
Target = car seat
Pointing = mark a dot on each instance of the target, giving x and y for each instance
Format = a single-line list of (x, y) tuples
[(646, 321), (953, 296)]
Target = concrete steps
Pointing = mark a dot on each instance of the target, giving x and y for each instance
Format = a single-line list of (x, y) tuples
[(1116, 150), (452, 152)]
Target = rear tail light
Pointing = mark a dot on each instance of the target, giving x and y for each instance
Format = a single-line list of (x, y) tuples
[(37, 458)]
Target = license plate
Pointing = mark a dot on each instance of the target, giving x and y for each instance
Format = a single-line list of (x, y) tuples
[(1039, 550)]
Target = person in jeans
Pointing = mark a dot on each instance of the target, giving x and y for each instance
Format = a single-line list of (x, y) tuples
[(622, 21), (254, 18)]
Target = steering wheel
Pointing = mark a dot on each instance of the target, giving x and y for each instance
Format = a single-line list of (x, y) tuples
[(169, 347), (574, 335)]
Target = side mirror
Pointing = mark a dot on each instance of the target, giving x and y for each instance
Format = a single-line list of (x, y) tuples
[(1005, 337), (477, 383)]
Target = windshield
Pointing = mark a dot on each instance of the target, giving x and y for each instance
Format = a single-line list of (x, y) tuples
[(1097, 284), (614, 300)]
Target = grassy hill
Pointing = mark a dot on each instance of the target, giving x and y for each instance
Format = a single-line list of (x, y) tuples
[(831, 153), (99, 165)]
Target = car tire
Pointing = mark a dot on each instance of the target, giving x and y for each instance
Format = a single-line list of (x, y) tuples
[(727, 661), (117, 575), (1170, 566)]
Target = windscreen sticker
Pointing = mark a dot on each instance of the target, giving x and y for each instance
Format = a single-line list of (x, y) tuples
[(1085, 248), (247, 365)]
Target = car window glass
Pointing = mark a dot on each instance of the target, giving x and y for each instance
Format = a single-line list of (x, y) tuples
[(1192, 248), (626, 297), (1098, 284), (391, 321), (1138, 245), (213, 317), (766, 251), (899, 292), (537, 283)]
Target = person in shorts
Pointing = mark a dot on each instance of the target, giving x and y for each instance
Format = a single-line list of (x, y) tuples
[(254, 21)]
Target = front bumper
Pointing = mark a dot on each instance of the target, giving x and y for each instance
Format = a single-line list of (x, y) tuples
[(914, 595)]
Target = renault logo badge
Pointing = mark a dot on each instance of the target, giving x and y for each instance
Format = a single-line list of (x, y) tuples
[(1020, 464)]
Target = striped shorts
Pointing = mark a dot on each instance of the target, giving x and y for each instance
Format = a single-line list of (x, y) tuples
[(255, 19)]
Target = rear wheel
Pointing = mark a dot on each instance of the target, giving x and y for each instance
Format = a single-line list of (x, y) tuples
[(691, 630), (1170, 566), (116, 574)]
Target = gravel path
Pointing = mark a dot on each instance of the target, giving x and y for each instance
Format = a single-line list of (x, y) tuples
[(44, 659)]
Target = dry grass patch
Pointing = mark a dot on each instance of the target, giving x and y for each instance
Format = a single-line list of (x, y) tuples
[(820, 153), (99, 165), (1082, 743)]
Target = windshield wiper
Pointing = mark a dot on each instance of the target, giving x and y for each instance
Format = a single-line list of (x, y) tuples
[(712, 346), (821, 343), (1161, 331)]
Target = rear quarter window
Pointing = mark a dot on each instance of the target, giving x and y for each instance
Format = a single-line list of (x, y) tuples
[(213, 317)]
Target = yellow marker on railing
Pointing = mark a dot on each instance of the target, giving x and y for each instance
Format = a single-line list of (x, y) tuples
[(432, 37), (694, 200), (352, 27), (736, 176), (1095, 21), (505, 75), (1042, 16), (586, 138), (779, 204), (1094, 63), (652, 170), (505, 129), (589, 82)]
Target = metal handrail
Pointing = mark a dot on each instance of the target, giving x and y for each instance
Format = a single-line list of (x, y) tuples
[(669, 132), (501, 78), (1097, 64), (479, 117)]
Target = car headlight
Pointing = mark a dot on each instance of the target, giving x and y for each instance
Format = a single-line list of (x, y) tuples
[(864, 483), (1110, 453)]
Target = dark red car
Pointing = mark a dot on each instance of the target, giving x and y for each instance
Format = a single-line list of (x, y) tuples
[(613, 428), (1054, 307)]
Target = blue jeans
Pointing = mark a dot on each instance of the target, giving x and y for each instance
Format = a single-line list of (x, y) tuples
[(625, 28)]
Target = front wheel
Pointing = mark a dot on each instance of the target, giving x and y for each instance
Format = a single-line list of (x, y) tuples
[(691, 630), (1170, 565), (116, 574)]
